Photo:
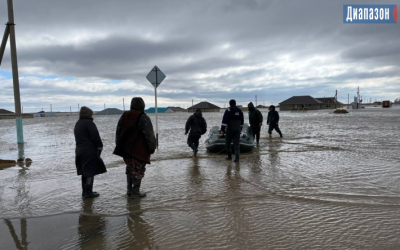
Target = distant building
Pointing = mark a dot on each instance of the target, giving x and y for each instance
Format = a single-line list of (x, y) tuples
[(330, 103), (5, 112), (110, 111), (262, 107), (204, 107), (153, 110), (44, 114), (175, 110), (242, 108), (301, 103)]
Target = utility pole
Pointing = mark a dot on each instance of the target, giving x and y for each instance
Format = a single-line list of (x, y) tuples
[(70, 110), (123, 102), (256, 100), (336, 100), (348, 100), (51, 108), (78, 107), (10, 31)]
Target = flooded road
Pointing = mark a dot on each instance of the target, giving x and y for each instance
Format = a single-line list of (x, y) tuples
[(332, 182)]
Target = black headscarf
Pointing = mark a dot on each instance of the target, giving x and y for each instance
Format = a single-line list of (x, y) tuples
[(85, 112), (250, 106), (137, 103)]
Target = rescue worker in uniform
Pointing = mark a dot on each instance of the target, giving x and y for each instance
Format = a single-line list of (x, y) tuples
[(255, 120), (273, 120), (232, 124), (198, 127)]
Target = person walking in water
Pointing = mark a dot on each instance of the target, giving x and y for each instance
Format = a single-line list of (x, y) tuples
[(273, 120), (232, 124), (87, 153), (135, 142), (255, 120), (198, 127)]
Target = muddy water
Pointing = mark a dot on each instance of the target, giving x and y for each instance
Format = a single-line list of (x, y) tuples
[(332, 182)]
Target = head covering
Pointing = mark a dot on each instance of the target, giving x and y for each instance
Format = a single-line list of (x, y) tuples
[(85, 112), (232, 103), (198, 113), (272, 106), (137, 104), (250, 106)]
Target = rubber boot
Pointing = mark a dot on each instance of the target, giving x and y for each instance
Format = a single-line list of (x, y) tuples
[(89, 188), (136, 189), (193, 147), (196, 149), (83, 186), (129, 184), (281, 134), (237, 153), (229, 155), (270, 136)]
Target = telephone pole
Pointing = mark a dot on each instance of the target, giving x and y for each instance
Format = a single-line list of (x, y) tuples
[(10, 32)]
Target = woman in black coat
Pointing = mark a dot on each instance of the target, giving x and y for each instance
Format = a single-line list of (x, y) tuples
[(87, 152)]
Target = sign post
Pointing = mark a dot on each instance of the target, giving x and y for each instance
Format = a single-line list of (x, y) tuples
[(10, 31), (155, 77)]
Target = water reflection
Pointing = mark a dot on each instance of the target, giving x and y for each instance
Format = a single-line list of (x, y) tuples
[(195, 177), (19, 244), (22, 199), (273, 155), (90, 227), (141, 233)]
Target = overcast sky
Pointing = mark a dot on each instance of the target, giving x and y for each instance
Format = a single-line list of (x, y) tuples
[(93, 52)]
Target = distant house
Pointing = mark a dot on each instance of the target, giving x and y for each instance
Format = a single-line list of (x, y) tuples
[(5, 112), (153, 110), (204, 107), (110, 111), (262, 107), (44, 114), (242, 108), (301, 103), (175, 110), (330, 103)]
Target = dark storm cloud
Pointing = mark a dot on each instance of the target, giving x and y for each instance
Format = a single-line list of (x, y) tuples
[(209, 50)]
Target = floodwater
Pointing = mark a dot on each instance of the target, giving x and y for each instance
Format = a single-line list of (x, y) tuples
[(332, 182)]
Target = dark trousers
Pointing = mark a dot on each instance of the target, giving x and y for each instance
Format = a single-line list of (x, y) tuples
[(235, 137), (193, 141), (256, 133), (273, 126)]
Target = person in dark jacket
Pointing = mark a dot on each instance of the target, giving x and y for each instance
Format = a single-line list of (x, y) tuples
[(255, 120), (232, 124), (87, 153), (273, 121), (135, 142), (198, 127)]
